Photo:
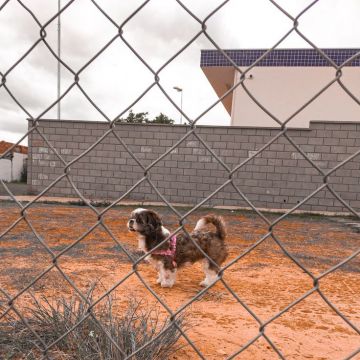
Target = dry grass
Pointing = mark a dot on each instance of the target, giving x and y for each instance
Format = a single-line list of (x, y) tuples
[(129, 330)]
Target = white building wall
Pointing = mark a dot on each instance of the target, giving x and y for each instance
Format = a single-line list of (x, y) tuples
[(15, 167), (283, 90)]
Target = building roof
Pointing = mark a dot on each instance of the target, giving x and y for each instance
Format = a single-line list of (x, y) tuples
[(279, 57), (4, 146)]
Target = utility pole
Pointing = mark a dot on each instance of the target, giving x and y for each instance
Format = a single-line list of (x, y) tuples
[(58, 64)]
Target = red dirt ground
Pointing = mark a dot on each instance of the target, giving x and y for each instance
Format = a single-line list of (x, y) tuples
[(265, 280)]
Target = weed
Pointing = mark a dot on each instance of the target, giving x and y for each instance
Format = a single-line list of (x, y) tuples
[(130, 330)]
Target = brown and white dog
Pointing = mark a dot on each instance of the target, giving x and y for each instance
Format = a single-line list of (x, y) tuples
[(180, 250)]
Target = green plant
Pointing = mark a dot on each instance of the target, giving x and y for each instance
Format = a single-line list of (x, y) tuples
[(162, 119), (135, 118), (141, 118)]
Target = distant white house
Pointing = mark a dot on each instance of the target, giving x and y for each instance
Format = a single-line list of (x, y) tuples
[(282, 82), (14, 162)]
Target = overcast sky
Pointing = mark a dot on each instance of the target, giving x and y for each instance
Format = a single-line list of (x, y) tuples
[(159, 30)]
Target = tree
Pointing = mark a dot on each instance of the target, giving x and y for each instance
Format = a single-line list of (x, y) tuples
[(141, 118), (138, 118), (162, 119)]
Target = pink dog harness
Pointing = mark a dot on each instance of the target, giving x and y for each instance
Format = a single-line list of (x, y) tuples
[(170, 251)]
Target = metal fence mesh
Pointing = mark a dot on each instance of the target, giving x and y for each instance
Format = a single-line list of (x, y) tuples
[(120, 32)]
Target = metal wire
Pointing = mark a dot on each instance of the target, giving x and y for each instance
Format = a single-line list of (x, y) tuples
[(120, 32)]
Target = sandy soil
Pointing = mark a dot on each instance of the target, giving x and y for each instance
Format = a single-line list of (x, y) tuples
[(265, 280)]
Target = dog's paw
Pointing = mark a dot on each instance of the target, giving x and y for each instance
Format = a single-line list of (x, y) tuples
[(158, 281), (207, 282), (167, 284)]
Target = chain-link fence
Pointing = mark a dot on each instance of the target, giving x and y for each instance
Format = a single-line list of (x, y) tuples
[(120, 31)]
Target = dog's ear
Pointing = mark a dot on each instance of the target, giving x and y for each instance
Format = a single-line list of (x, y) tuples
[(153, 220)]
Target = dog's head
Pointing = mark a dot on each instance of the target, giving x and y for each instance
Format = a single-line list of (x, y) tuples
[(145, 222)]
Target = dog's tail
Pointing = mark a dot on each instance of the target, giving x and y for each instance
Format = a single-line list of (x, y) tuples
[(215, 220)]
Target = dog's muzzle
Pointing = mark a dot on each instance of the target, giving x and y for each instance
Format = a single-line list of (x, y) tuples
[(130, 225)]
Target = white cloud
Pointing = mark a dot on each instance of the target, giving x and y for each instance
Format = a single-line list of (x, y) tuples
[(117, 77)]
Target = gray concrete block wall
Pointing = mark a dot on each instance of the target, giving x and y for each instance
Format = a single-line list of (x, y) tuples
[(279, 177)]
